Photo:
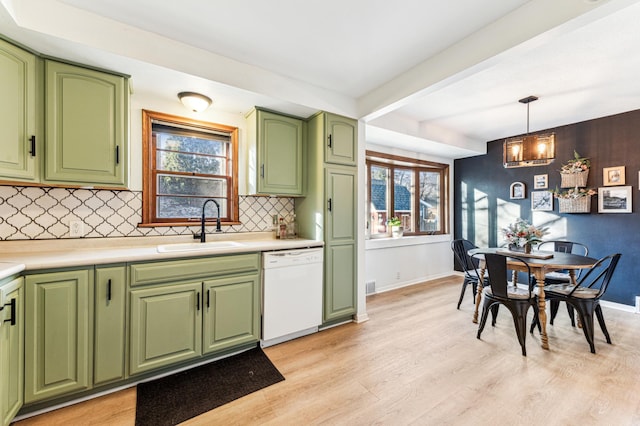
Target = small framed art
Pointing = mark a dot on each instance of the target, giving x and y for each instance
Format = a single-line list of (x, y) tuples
[(517, 191), (614, 200), (540, 181), (612, 176), (541, 201)]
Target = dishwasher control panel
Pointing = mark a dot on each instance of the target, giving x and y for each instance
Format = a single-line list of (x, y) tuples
[(279, 259)]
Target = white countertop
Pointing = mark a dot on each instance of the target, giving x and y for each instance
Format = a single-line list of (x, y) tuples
[(18, 256)]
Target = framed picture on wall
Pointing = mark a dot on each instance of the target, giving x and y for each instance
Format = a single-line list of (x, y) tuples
[(614, 200), (542, 201), (613, 176), (517, 191), (540, 181)]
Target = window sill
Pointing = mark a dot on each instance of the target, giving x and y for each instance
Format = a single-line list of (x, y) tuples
[(189, 223), (382, 243)]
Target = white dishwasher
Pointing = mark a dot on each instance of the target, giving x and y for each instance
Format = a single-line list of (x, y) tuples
[(291, 294)]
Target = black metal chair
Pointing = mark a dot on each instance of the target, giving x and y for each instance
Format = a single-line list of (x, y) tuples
[(469, 265), (585, 296), (518, 298), (562, 276)]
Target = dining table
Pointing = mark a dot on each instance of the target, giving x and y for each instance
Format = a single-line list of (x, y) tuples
[(540, 263)]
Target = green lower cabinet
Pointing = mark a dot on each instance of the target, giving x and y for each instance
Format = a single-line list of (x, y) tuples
[(109, 322), (231, 315), (11, 349), (179, 322), (340, 278), (58, 333), (166, 326)]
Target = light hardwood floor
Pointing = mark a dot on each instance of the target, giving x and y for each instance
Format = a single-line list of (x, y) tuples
[(417, 362)]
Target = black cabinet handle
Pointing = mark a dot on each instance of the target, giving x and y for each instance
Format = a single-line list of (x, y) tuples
[(33, 145), (208, 298), (108, 291), (329, 207), (330, 142), (117, 154), (198, 301), (262, 171), (12, 306)]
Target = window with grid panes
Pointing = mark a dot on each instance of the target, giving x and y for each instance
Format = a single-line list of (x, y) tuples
[(186, 163), (412, 190)]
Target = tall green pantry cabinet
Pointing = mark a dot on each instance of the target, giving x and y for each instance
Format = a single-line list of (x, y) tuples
[(329, 212)]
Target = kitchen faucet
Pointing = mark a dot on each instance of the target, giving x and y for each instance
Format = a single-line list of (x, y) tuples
[(203, 235)]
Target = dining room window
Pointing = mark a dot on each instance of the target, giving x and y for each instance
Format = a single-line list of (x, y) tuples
[(412, 190), (185, 163)]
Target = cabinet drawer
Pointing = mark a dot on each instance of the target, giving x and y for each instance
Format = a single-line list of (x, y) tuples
[(159, 272)]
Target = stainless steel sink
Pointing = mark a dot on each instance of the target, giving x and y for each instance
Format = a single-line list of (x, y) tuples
[(168, 248)]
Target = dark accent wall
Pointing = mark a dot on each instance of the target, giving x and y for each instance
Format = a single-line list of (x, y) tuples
[(607, 142)]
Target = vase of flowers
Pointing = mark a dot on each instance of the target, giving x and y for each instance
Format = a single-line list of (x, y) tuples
[(574, 200), (521, 235), (575, 172)]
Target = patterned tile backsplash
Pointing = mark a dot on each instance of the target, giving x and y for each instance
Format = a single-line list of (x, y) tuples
[(35, 213)]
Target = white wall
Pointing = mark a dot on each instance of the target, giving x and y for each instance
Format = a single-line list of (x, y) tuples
[(140, 101), (407, 260), (394, 263)]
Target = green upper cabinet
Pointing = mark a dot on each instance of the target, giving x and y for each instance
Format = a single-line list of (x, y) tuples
[(11, 349), (58, 333), (275, 154), (86, 124), (341, 140), (18, 105)]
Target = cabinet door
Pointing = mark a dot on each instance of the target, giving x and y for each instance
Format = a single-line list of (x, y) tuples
[(166, 325), (341, 221), (109, 331), (17, 113), (86, 126), (340, 281), (342, 140), (280, 156), (58, 334), (340, 238), (232, 312), (11, 350)]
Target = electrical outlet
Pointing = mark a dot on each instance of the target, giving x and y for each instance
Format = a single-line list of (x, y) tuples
[(76, 229), (398, 275)]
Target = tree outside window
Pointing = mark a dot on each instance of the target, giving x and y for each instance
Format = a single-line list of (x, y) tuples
[(188, 162)]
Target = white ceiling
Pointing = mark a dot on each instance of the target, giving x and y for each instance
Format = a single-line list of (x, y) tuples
[(433, 76)]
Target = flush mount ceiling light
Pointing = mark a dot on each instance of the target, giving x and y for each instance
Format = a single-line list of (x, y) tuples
[(529, 150), (194, 101)]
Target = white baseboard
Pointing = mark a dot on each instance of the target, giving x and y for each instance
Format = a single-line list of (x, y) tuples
[(402, 284)]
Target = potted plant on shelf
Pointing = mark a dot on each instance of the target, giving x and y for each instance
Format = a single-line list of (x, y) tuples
[(574, 200), (575, 172), (521, 235), (396, 226)]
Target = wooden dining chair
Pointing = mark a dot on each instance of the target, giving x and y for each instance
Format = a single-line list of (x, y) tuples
[(518, 298), (562, 276), (469, 265), (585, 296)]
